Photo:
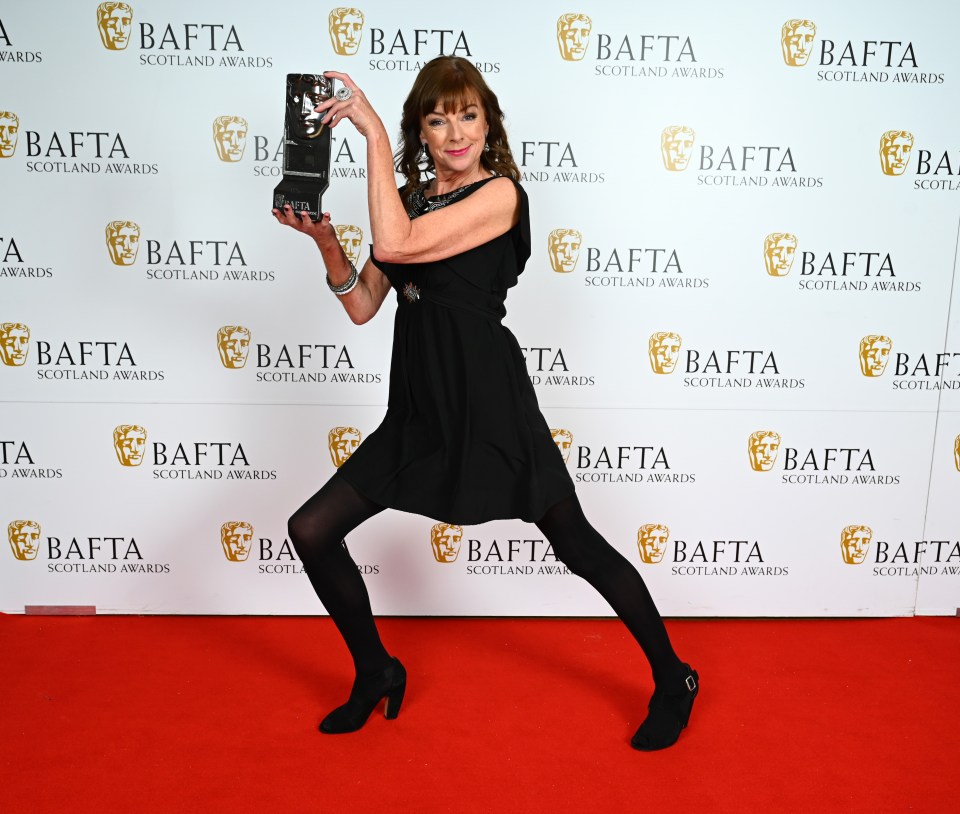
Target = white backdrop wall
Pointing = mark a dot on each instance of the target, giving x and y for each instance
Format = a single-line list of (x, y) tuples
[(772, 149)]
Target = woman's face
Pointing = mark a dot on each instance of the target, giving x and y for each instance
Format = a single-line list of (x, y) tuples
[(456, 139)]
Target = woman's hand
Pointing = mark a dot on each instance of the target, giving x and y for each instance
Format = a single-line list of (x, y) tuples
[(321, 231), (356, 108)]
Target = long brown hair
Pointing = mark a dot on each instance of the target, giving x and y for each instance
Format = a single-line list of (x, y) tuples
[(452, 82)]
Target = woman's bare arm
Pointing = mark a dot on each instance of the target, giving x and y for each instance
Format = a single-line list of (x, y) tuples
[(366, 297)]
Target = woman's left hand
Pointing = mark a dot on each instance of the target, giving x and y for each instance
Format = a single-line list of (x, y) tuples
[(356, 107)]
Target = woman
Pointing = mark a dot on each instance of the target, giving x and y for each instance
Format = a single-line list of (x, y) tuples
[(463, 439)]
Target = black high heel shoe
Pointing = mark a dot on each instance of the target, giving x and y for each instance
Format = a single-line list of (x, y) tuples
[(389, 683), (669, 713)]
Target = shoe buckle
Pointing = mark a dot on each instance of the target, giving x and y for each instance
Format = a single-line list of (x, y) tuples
[(691, 683)]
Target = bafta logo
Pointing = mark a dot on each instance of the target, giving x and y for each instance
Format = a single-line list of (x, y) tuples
[(351, 239), (236, 537), (895, 149), (230, 137), (664, 351), (854, 542), (652, 540), (778, 251), (874, 354), (9, 130), (113, 22), (796, 41), (956, 452), (445, 539), (762, 447), (343, 442), (14, 343), (563, 247), (346, 29), (564, 441), (233, 344), (24, 536), (573, 35), (123, 241), (129, 442), (676, 147)]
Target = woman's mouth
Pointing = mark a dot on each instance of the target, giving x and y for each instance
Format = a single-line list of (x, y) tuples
[(458, 153)]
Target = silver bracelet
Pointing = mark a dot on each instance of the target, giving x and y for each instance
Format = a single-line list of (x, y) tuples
[(349, 285)]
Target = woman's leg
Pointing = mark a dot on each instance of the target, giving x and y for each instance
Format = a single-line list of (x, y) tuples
[(581, 548), (587, 554), (317, 531)]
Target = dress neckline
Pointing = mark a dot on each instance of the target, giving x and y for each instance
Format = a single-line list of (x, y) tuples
[(457, 191), (420, 204)]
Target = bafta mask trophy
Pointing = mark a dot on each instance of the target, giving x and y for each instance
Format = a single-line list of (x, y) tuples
[(306, 145)]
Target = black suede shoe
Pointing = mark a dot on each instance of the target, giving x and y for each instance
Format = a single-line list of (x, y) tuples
[(669, 712), (389, 683)]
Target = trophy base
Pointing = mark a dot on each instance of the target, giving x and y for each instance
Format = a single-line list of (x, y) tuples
[(301, 195)]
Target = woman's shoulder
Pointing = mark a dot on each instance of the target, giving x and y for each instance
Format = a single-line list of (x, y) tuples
[(504, 187)]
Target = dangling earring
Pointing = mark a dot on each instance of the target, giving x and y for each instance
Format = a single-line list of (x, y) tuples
[(424, 155), (486, 147)]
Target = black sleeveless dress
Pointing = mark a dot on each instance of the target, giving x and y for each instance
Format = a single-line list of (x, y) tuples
[(463, 440)]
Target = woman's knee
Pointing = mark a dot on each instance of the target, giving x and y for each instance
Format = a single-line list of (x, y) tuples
[(307, 540), (296, 530)]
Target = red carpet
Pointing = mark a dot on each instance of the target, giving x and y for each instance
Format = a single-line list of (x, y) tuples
[(180, 714)]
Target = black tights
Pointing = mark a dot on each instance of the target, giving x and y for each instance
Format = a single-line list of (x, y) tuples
[(317, 531), (318, 528)]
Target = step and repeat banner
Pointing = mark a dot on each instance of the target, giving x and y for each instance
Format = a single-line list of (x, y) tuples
[(740, 314)]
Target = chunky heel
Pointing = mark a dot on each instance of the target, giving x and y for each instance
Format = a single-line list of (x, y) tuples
[(391, 708), (367, 692), (669, 714)]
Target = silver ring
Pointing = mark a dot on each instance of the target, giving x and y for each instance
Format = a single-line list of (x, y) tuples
[(343, 93)]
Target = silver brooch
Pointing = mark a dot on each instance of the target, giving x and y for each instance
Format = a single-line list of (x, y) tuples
[(411, 292)]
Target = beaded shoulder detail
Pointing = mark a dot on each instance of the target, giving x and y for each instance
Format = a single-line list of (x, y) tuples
[(420, 204)]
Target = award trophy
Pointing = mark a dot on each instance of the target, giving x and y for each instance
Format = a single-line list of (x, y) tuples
[(306, 145)]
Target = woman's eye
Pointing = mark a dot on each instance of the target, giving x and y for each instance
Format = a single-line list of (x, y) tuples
[(436, 122)]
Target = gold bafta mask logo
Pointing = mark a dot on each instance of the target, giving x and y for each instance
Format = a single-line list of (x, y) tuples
[(664, 351), (346, 30), (763, 446), (573, 35), (9, 132), (113, 22), (351, 239), (343, 442), (14, 343), (445, 538), (796, 41), (676, 146), (24, 537), (564, 441), (233, 344), (854, 542), (230, 137), (123, 241), (652, 540), (895, 149), (236, 537), (563, 247), (956, 452), (874, 354), (778, 251), (129, 442)]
